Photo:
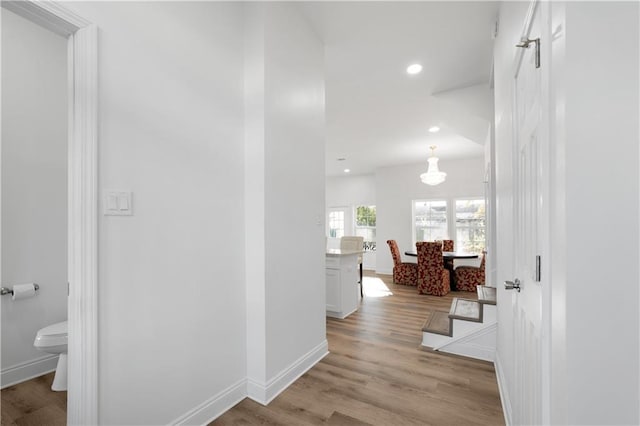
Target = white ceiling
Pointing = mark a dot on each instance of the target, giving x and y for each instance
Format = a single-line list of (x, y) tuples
[(378, 115)]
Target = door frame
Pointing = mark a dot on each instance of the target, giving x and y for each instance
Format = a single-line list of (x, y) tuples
[(82, 60)]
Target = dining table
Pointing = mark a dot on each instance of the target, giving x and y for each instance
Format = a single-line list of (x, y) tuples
[(447, 259)]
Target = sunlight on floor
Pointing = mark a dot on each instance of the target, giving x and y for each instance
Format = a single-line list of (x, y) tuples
[(375, 287)]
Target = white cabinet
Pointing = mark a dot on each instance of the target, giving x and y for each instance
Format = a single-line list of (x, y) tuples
[(342, 276)]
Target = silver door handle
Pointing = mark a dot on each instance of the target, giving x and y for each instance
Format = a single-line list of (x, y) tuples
[(510, 285)]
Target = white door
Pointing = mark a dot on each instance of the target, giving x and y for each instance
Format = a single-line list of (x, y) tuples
[(530, 181), (339, 222)]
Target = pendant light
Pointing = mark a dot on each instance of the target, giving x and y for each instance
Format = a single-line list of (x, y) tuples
[(433, 176)]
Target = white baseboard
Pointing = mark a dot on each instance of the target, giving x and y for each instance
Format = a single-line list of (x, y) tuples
[(217, 405), (502, 388), (28, 370), (264, 393), (384, 271), (340, 315), (214, 407)]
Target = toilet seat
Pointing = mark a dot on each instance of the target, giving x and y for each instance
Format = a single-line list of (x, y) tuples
[(52, 336)]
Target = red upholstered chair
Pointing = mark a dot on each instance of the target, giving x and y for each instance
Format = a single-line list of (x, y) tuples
[(447, 245), (469, 277), (432, 277), (403, 273)]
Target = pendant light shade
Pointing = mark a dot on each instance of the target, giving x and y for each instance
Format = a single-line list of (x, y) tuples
[(433, 176)]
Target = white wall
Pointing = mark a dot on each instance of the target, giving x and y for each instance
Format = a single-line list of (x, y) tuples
[(352, 191), (294, 188), (289, 134), (601, 160), (171, 277), (34, 190), (396, 187)]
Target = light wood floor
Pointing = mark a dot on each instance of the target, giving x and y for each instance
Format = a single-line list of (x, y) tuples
[(33, 403), (377, 373)]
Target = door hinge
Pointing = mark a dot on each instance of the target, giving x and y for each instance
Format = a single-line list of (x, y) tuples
[(525, 42), (538, 269)]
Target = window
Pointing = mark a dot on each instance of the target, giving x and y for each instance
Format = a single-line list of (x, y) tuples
[(366, 226), (336, 224), (470, 225), (430, 220)]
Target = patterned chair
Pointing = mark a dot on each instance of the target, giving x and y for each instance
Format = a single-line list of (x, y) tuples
[(467, 278), (403, 273), (433, 278), (447, 245)]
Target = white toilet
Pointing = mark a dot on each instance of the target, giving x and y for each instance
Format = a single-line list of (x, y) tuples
[(53, 340)]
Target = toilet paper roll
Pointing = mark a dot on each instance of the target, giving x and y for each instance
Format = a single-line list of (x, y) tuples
[(23, 291)]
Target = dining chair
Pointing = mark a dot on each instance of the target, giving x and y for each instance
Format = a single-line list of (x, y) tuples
[(468, 278), (354, 243), (433, 278), (447, 245), (403, 272)]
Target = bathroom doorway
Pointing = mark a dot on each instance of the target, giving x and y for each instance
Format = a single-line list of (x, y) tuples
[(34, 192), (78, 39)]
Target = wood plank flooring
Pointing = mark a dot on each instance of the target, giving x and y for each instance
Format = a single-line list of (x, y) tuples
[(33, 403), (377, 373)]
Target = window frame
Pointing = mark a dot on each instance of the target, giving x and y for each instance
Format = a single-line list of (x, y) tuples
[(356, 226), (454, 214), (428, 200)]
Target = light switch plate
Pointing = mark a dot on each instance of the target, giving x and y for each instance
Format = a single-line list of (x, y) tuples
[(117, 203)]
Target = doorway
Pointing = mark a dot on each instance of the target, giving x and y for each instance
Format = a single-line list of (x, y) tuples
[(82, 89), (34, 192)]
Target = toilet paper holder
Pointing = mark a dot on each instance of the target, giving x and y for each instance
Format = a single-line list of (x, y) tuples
[(5, 290)]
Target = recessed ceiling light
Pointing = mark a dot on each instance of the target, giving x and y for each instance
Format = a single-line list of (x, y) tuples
[(434, 129), (414, 69), (347, 170)]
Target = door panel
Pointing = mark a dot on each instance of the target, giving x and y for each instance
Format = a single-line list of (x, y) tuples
[(530, 170)]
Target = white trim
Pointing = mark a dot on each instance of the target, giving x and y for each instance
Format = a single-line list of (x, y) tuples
[(471, 350), (82, 406), (214, 407), (264, 393), (340, 315), (48, 14), (28, 370), (82, 397), (467, 346), (488, 327), (384, 272), (502, 388)]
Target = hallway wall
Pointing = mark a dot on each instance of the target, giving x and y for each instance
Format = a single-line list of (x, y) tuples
[(602, 185), (285, 197), (171, 297)]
